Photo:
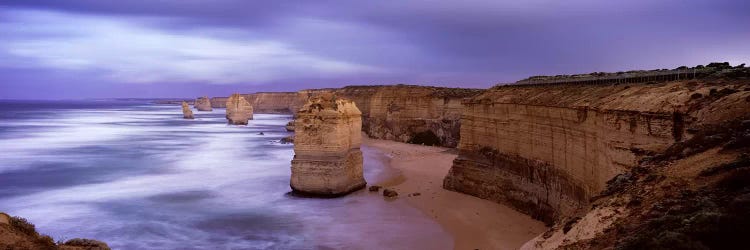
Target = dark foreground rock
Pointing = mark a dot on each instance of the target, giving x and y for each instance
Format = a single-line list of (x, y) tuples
[(18, 233), (389, 193)]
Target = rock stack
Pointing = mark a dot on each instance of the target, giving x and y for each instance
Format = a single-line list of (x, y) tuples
[(186, 112), (327, 160), (203, 104), (290, 126), (239, 111)]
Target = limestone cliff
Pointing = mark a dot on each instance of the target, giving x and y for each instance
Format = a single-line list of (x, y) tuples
[(546, 150), (203, 104), (266, 102), (273, 102), (186, 112), (219, 102), (327, 158), (239, 111), (406, 113)]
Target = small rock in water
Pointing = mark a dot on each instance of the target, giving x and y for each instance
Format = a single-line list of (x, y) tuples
[(374, 188), (389, 193), (261, 133), (288, 139)]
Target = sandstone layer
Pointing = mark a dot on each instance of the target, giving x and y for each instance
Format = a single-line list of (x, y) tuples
[(406, 113), (186, 112), (219, 102), (266, 102), (239, 111), (694, 195), (546, 150), (203, 104), (327, 160), (273, 102)]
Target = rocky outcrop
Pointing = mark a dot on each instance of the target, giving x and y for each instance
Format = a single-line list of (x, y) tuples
[(239, 111), (694, 195), (406, 113), (186, 112), (18, 233), (547, 150), (203, 104), (327, 160), (289, 126)]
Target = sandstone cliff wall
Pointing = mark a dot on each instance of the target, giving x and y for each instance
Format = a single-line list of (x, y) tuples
[(273, 102), (406, 113), (547, 150), (266, 102), (219, 102)]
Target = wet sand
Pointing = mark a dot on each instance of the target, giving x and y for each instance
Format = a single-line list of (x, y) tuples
[(474, 223)]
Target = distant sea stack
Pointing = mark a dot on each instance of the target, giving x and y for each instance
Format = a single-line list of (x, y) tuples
[(239, 111), (327, 160), (186, 112), (203, 104)]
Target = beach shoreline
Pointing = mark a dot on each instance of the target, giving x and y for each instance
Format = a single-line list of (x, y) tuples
[(473, 223)]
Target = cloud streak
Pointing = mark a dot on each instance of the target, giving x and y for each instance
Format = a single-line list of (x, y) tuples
[(104, 47), (137, 54)]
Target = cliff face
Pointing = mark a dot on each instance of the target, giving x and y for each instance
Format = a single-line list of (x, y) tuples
[(203, 104), (546, 150), (327, 138), (239, 111), (273, 102), (415, 114), (219, 102)]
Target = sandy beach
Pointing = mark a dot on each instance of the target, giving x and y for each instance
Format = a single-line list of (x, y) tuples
[(474, 223)]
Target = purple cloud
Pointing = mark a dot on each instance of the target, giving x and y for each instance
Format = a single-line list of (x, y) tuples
[(283, 45)]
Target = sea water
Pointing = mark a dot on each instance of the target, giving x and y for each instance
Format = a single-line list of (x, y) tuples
[(136, 175)]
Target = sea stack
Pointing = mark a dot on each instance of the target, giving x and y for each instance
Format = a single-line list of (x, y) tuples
[(203, 104), (290, 126), (239, 111), (327, 160), (186, 112)]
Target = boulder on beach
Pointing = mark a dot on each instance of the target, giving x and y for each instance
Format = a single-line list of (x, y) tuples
[(203, 104), (328, 160), (239, 111), (186, 112), (389, 193)]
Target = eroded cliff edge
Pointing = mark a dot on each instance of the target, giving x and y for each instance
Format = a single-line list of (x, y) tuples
[(547, 150), (406, 113)]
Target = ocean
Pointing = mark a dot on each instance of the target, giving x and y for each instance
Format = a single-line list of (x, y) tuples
[(137, 176)]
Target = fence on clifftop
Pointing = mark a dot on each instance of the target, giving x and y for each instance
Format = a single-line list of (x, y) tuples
[(615, 78)]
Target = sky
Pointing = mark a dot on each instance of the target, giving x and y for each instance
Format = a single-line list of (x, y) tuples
[(79, 49)]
